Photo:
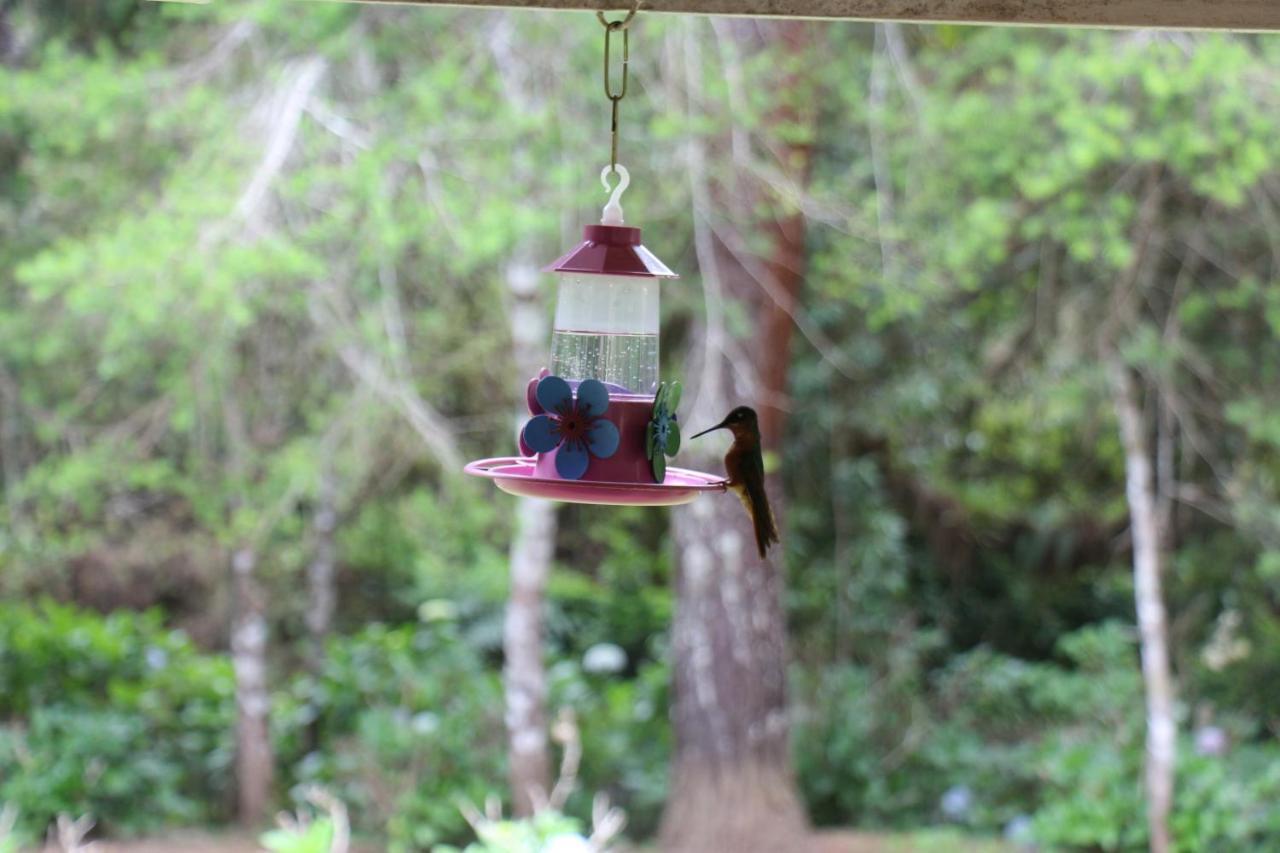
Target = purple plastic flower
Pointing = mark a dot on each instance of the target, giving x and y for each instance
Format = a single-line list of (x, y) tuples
[(574, 425)]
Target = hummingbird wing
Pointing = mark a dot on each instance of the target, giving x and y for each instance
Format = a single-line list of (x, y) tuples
[(756, 500)]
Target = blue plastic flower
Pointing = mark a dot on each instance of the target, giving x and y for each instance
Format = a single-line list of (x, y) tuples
[(575, 425)]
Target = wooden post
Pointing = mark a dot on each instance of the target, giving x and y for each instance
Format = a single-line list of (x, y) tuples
[(1245, 15)]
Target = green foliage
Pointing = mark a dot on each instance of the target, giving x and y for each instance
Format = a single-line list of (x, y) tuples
[(1093, 800), (626, 739), (9, 840), (400, 721), (399, 724), (403, 723), (1059, 745), (187, 363), (542, 832), (100, 762), (313, 837), (1228, 804), (112, 716)]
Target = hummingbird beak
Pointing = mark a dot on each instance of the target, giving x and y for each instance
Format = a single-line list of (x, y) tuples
[(711, 429)]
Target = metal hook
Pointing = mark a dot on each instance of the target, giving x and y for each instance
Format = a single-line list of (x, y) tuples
[(618, 25), (610, 27)]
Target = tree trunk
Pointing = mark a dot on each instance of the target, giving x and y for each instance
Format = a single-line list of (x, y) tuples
[(732, 786), (524, 678), (254, 762), (532, 546), (322, 593), (1148, 568)]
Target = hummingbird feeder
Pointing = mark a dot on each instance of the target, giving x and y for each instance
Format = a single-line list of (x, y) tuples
[(602, 423)]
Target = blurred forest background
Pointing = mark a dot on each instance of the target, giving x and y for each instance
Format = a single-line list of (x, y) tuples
[(268, 276)]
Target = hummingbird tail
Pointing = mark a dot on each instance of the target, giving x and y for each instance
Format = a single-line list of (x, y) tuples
[(756, 502), (766, 530)]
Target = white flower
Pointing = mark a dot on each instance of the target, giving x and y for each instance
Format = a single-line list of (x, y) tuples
[(425, 722), (604, 658), (957, 801), (1020, 830)]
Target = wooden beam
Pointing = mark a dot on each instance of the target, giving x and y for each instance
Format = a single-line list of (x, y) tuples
[(1247, 15)]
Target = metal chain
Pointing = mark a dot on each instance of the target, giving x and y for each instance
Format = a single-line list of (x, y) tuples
[(610, 27)]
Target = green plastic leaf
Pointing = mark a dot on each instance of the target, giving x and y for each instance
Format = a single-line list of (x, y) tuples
[(673, 440), (673, 396), (659, 467), (648, 440)]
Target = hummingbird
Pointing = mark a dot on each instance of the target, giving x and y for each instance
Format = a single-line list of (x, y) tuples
[(745, 466)]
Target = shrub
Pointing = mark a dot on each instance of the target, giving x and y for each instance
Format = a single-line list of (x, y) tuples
[(95, 762), (113, 716), (545, 832), (1093, 795), (1056, 747), (626, 739), (400, 724), (403, 723)]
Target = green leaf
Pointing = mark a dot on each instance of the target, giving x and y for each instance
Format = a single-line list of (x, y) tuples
[(673, 440), (659, 467), (648, 440)]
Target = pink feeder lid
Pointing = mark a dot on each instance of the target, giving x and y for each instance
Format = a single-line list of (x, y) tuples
[(612, 250)]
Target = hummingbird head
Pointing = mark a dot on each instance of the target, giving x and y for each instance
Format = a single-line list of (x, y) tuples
[(742, 422)]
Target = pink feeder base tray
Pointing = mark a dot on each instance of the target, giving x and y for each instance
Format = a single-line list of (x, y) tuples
[(516, 476)]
